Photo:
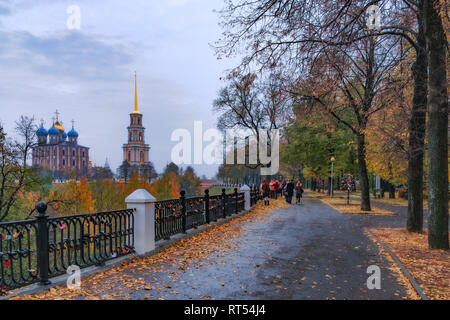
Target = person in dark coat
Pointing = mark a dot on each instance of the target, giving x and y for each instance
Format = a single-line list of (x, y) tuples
[(282, 187), (299, 192), (289, 191)]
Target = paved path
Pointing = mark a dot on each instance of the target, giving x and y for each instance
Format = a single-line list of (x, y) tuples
[(306, 251)]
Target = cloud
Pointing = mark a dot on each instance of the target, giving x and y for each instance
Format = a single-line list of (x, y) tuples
[(88, 74), (179, 3)]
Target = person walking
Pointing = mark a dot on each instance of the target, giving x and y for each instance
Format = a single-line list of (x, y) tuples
[(282, 187), (298, 192), (289, 191), (272, 189), (277, 187), (265, 192)]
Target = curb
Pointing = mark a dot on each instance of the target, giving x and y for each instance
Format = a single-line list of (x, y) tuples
[(88, 272), (411, 280)]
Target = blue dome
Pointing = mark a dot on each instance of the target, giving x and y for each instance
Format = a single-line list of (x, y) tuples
[(72, 133), (53, 131), (64, 135), (41, 132)]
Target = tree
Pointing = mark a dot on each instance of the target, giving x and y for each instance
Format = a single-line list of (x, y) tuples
[(310, 144), (99, 173), (87, 204), (172, 168), (437, 125), (248, 104), (350, 84), (126, 170), (107, 194), (189, 182), (277, 32), (15, 175), (167, 187)]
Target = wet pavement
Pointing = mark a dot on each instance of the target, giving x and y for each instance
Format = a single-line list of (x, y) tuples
[(307, 251)]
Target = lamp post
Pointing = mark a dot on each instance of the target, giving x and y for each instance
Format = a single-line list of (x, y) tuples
[(332, 167)]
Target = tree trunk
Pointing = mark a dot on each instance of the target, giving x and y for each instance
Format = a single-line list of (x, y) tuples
[(417, 127), (437, 129), (363, 177)]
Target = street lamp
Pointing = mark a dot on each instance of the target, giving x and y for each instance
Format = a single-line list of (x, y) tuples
[(332, 167)]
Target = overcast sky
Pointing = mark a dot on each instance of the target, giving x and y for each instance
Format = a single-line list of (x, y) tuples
[(87, 74)]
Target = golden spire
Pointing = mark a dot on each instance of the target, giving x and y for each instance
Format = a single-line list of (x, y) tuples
[(136, 110)]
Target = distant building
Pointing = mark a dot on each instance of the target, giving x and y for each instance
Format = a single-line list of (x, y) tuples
[(136, 151), (59, 151)]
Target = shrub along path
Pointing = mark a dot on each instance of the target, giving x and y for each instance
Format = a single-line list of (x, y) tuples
[(306, 251)]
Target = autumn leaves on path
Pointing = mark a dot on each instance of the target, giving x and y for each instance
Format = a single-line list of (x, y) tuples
[(283, 251), (154, 277)]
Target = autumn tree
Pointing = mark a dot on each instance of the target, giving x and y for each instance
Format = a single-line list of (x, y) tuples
[(167, 187), (108, 195), (436, 24), (311, 143), (86, 202), (280, 32), (15, 174), (252, 105), (189, 182)]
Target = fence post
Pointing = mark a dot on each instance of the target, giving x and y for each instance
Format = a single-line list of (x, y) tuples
[(224, 204), (183, 209), (235, 201), (246, 191), (207, 217), (42, 242), (144, 220)]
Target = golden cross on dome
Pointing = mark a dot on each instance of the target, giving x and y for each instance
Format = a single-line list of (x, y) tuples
[(56, 114)]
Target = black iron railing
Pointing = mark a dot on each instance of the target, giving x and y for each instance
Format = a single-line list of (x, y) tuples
[(18, 259), (254, 195), (168, 218), (37, 249), (179, 215), (215, 207), (195, 212), (89, 239)]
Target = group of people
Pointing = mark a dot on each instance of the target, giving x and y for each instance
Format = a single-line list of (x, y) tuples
[(286, 188)]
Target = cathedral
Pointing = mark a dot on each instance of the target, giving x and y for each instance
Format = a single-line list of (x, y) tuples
[(59, 151), (135, 151)]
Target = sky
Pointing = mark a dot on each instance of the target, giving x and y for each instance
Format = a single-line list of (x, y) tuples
[(87, 74)]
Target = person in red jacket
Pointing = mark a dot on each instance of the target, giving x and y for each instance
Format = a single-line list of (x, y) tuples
[(272, 189), (277, 188), (265, 189)]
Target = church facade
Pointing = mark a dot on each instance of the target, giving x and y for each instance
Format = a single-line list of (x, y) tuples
[(59, 151), (136, 151)]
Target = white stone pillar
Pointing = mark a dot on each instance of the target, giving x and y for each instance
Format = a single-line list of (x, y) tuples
[(246, 191), (144, 220)]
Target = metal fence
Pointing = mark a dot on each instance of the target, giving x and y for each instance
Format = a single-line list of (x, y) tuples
[(34, 250), (179, 215), (255, 195), (37, 249)]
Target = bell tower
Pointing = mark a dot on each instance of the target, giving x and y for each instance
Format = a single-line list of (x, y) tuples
[(136, 152)]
